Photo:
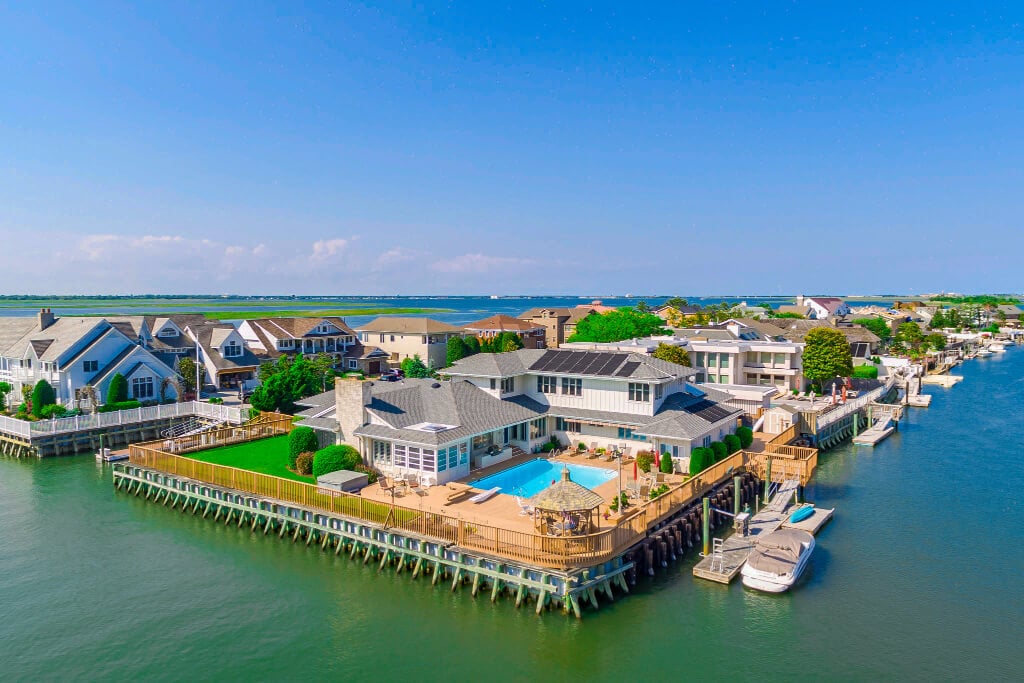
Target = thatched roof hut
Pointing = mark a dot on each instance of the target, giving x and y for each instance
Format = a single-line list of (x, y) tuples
[(572, 504)]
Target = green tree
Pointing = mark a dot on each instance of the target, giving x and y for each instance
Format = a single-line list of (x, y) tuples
[(5, 388), (910, 336), (672, 354), (414, 367), (117, 390), (322, 367), (617, 325), (938, 320), (677, 302), (878, 325), (334, 458), (187, 370), (472, 345), (732, 442), (746, 436), (826, 355), (42, 396), (936, 341), (719, 450), (456, 350), (300, 440), (642, 306)]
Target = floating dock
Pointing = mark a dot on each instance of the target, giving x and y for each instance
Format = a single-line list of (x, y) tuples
[(812, 524), (942, 380), (874, 434), (919, 400), (725, 563)]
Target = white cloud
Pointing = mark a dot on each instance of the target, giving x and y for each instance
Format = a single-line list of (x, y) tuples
[(479, 263), (324, 250), (393, 257)]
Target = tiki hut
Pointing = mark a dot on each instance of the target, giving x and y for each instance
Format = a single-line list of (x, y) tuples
[(566, 508)]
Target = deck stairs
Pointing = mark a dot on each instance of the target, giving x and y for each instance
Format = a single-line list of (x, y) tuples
[(189, 427)]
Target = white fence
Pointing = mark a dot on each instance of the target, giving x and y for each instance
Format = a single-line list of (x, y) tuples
[(856, 404), (25, 429)]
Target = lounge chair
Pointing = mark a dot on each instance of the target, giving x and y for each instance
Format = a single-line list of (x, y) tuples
[(525, 508), (633, 489), (593, 448), (627, 452), (481, 497)]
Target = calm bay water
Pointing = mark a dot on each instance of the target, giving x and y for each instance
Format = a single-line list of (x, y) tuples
[(918, 577)]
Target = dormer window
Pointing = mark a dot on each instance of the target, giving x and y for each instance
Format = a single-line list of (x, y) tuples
[(231, 350), (167, 332)]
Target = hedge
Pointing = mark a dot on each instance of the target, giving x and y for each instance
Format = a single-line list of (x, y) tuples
[(301, 440), (42, 396), (746, 436), (120, 405), (866, 372), (719, 449), (667, 466), (700, 459), (117, 391), (732, 442), (335, 458)]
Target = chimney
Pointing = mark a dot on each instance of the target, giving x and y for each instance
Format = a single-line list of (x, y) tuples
[(351, 397), (45, 318), (799, 299)]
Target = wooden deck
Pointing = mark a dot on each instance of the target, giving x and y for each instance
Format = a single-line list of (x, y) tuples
[(813, 523), (874, 435), (737, 547)]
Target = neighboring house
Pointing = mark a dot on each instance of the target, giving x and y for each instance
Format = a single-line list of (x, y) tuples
[(823, 307), (403, 338), (229, 363), (531, 334), (273, 337), (802, 311), (559, 323), (667, 313), (863, 342), (72, 353)]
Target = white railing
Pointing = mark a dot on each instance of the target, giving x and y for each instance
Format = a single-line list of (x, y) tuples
[(856, 404), (23, 428)]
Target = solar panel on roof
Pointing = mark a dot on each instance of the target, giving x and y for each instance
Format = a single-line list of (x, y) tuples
[(565, 362), (612, 365), (708, 410), (542, 362), (628, 369)]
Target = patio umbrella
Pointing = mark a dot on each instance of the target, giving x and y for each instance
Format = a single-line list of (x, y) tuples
[(634, 470), (657, 459)]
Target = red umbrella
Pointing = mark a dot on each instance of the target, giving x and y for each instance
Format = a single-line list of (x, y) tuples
[(657, 460), (634, 470)]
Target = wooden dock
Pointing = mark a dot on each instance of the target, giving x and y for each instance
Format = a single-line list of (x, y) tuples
[(942, 380), (919, 400), (812, 524), (723, 567)]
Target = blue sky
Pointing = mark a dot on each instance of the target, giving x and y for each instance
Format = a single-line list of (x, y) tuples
[(511, 148)]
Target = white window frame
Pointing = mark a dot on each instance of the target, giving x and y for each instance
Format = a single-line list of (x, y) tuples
[(639, 392)]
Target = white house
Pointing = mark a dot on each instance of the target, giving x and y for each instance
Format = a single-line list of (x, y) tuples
[(822, 307), (78, 356), (403, 338), (229, 363), (499, 404), (271, 338)]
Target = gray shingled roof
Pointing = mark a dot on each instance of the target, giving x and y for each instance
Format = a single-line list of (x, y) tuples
[(459, 403), (400, 325)]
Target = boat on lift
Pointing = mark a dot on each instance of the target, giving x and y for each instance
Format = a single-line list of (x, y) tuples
[(777, 560)]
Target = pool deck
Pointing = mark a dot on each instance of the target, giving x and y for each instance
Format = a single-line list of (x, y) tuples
[(502, 509)]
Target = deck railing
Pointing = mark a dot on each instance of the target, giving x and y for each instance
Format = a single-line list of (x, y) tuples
[(550, 551), (63, 425)]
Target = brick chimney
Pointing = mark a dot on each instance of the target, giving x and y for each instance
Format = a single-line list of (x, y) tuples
[(351, 397), (45, 317)]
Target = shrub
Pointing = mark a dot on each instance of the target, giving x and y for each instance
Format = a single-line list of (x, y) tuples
[(42, 396), (371, 474), (700, 459), (548, 447), (732, 442), (301, 440), (644, 460), (53, 410), (866, 372), (614, 505), (304, 463), (745, 435), (216, 400), (582, 447), (719, 450), (120, 405), (667, 466), (117, 391), (335, 458), (659, 490)]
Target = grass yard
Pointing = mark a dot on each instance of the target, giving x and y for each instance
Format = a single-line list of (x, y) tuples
[(267, 456)]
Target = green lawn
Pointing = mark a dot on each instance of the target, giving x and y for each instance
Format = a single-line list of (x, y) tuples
[(267, 456)]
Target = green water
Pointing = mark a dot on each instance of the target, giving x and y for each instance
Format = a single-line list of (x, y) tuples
[(919, 577)]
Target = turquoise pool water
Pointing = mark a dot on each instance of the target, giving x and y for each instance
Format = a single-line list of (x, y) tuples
[(530, 478)]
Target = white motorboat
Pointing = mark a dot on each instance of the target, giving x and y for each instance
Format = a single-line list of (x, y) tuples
[(996, 347), (983, 353), (777, 560)]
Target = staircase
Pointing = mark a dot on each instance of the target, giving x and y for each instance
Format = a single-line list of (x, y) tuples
[(189, 427)]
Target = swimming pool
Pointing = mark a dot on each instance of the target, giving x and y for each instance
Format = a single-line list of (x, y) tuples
[(530, 478)]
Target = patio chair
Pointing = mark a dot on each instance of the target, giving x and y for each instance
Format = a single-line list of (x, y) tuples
[(633, 489), (524, 507), (627, 452), (593, 448)]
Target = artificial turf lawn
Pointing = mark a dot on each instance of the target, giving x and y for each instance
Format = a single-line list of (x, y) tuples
[(267, 456)]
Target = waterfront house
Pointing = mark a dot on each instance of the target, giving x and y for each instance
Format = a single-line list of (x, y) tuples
[(270, 338), (229, 363), (531, 334), (823, 307), (403, 338), (78, 356), (863, 342), (559, 323)]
